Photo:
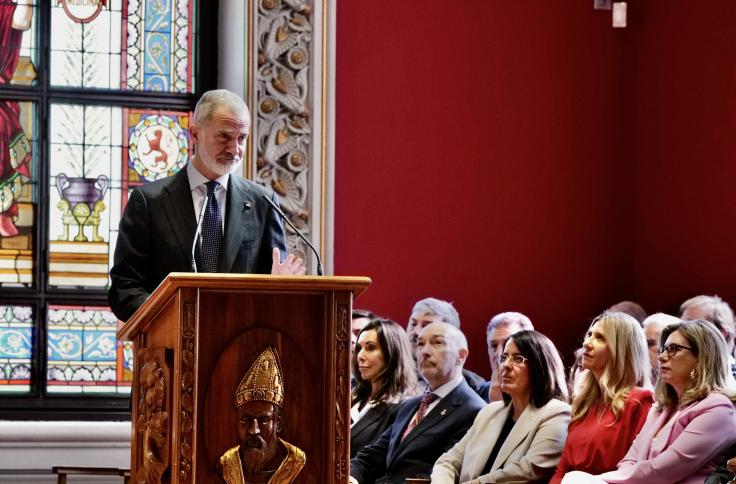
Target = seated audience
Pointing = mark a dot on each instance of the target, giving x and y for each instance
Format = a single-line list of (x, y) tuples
[(692, 424), (614, 396), (653, 327), (425, 426), (499, 328), (718, 312), (631, 308), (384, 376), (431, 310), (360, 318), (519, 439)]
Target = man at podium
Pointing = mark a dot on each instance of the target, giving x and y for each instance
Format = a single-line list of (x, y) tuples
[(202, 219)]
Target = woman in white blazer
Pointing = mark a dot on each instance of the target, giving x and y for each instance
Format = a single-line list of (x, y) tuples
[(519, 439)]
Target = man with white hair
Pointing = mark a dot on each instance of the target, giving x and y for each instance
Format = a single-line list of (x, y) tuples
[(653, 326), (204, 218), (431, 310), (499, 328), (425, 427), (718, 312)]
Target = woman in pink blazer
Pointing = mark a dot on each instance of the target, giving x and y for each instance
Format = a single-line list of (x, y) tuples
[(693, 422)]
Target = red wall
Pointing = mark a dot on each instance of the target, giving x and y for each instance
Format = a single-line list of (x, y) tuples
[(685, 140), (527, 156)]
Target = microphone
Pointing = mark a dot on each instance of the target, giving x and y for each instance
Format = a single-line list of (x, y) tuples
[(301, 235), (197, 232)]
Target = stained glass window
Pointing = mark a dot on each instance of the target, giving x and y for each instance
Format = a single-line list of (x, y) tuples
[(138, 45), (83, 355), (16, 348), (98, 153), (19, 41), (95, 99), (18, 192)]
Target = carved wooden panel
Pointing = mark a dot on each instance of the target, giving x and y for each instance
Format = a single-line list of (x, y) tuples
[(186, 402), (153, 415), (342, 387)]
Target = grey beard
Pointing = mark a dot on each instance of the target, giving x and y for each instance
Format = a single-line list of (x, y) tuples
[(255, 459)]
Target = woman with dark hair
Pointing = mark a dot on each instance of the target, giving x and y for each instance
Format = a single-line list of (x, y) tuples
[(519, 439), (384, 376), (692, 424)]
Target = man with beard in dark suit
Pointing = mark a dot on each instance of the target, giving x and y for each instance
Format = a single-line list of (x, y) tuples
[(426, 426), (238, 231)]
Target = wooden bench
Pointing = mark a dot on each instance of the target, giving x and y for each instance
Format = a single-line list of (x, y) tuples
[(64, 471)]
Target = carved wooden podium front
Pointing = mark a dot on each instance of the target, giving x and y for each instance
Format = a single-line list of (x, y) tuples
[(197, 335)]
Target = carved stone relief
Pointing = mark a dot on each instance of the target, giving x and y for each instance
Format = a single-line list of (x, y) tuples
[(283, 117)]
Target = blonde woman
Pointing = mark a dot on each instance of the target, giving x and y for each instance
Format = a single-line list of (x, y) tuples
[(614, 398), (692, 423)]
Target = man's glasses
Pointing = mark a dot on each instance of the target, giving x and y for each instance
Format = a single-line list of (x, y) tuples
[(672, 349), (516, 359)]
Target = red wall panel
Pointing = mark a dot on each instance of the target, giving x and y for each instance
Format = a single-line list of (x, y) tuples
[(483, 156), (684, 143)]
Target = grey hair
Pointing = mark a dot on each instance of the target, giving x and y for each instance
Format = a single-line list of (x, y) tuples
[(438, 307), (719, 312), (507, 318), (661, 318), (216, 98)]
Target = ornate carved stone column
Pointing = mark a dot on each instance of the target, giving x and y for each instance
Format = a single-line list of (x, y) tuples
[(289, 85)]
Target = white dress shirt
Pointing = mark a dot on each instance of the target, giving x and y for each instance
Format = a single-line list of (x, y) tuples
[(197, 183)]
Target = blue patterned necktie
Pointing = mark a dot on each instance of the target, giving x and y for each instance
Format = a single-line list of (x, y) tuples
[(211, 230)]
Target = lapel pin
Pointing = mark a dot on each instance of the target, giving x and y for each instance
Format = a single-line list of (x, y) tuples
[(444, 411), (247, 205)]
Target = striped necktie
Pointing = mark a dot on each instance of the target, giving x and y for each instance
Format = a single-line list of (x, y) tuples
[(427, 400)]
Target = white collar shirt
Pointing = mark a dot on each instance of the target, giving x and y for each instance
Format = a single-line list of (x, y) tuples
[(197, 184)]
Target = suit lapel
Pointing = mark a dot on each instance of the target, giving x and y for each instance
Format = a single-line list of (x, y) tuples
[(179, 210), (441, 411), (400, 424), (368, 419), (240, 223), (520, 431)]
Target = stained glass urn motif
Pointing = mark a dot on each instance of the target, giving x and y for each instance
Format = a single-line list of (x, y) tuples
[(81, 204)]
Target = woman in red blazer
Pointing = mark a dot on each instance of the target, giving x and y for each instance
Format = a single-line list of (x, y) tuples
[(614, 396)]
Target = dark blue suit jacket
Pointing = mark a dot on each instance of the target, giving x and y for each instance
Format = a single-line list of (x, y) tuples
[(389, 460), (157, 233)]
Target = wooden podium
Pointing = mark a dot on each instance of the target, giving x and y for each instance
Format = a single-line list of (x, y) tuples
[(194, 339)]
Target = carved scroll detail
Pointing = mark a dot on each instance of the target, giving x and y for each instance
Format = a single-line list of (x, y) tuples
[(153, 415), (342, 336), (283, 114), (186, 410)]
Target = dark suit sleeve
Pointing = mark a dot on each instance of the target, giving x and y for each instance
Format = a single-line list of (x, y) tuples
[(132, 261), (370, 463), (273, 236), (721, 474)]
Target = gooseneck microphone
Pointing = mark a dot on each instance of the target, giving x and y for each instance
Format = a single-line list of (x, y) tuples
[(197, 233), (301, 235)]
